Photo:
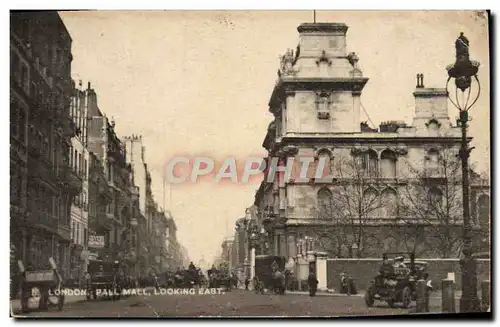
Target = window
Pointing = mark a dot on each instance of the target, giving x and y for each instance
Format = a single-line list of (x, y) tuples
[(484, 211), (85, 236), (325, 157), (389, 203), (369, 163), (71, 156), (435, 197), (75, 164), (323, 105), (370, 202), (388, 164), (73, 230), (432, 162), (80, 168), (85, 167), (325, 203), (77, 233)]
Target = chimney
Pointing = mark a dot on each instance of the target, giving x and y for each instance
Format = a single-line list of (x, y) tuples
[(88, 86), (420, 81), (430, 102)]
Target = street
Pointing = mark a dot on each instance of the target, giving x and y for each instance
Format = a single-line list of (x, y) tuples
[(231, 304)]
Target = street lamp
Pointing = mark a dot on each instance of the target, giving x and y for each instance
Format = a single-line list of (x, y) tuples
[(464, 71)]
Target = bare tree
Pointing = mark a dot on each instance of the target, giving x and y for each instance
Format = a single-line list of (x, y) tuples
[(431, 204), (349, 203)]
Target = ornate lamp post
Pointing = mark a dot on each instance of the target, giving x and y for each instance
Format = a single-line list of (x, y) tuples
[(464, 71)]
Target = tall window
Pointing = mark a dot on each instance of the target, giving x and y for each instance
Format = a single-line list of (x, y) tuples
[(369, 163), (388, 164), (388, 203), (432, 160), (325, 157), (323, 105), (76, 161), (435, 197), (325, 203), (370, 203), (484, 211)]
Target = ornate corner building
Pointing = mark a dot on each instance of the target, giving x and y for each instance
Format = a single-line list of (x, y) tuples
[(382, 177)]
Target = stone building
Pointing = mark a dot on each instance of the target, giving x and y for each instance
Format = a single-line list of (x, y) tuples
[(43, 183), (364, 207), (136, 152), (79, 161), (108, 148), (100, 195)]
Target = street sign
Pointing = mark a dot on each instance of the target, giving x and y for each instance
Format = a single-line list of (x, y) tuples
[(40, 276), (96, 242)]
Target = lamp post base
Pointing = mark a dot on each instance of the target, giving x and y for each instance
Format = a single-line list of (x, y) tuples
[(469, 302)]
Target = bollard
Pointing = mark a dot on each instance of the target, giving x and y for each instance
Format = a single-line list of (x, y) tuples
[(485, 295), (421, 296), (448, 296)]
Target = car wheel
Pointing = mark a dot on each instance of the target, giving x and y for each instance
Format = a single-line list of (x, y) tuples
[(406, 297), (369, 297)]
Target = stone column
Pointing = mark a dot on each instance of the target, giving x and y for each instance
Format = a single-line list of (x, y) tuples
[(448, 296), (252, 264), (356, 104), (485, 295), (421, 296), (321, 271)]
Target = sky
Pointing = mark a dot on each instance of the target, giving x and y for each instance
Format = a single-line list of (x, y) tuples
[(198, 83)]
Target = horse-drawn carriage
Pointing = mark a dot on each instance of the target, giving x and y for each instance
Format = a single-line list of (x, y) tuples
[(270, 274), (222, 279), (49, 284), (106, 279)]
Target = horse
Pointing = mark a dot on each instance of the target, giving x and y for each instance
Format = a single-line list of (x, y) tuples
[(278, 282)]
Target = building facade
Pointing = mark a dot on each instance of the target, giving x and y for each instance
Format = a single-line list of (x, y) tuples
[(43, 181), (79, 161), (374, 185)]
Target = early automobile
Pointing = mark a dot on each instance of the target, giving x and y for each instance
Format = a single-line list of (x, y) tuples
[(396, 281), (105, 279)]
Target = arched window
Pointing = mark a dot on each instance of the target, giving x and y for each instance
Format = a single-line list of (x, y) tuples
[(369, 163), (388, 164), (371, 203), (483, 211), (325, 203), (435, 197), (390, 244), (432, 158), (389, 203), (324, 155)]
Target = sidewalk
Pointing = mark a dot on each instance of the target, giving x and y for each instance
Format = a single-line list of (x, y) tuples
[(434, 295)]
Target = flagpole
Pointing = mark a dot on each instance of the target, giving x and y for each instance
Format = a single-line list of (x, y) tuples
[(314, 15)]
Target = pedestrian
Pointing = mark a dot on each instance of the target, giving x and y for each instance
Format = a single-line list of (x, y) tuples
[(428, 290), (247, 282), (312, 282)]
